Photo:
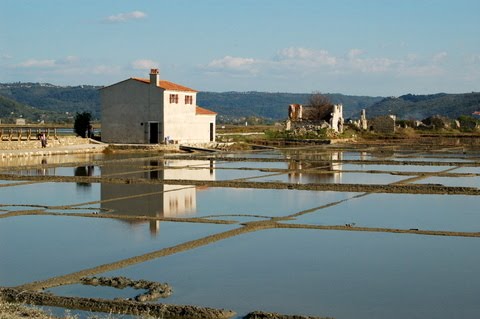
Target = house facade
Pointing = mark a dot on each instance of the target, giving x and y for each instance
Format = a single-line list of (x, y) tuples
[(152, 111)]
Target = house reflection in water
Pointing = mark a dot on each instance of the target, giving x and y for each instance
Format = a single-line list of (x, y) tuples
[(154, 200), (322, 167)]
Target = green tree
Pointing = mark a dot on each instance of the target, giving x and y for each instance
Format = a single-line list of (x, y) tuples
[(82, 126)]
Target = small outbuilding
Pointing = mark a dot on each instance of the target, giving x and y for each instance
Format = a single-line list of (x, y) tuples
[(152, 111)]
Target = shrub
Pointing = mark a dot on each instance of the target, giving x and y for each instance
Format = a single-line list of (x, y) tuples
[(82, 125)]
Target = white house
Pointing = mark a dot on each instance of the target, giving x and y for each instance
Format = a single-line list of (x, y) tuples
[(151, 111)]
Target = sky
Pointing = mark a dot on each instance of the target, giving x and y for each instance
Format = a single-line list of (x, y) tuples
[(355, 47)]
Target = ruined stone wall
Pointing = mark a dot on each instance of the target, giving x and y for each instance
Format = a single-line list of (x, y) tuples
[(302, 116)]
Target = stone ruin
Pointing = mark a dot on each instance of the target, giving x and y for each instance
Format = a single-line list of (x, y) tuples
[(308, 117), (362, 123)]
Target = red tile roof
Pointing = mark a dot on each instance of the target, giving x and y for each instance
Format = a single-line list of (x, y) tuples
[(201, 111), (167, 85)]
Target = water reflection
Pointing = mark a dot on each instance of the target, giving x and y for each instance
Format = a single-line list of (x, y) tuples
[(329, 171), (155, 200), (18, 161), (84, 171), (41, 170)]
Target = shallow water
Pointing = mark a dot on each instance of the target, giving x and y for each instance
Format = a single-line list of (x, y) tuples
[(255, 165), (404, 211), (453, 181), (50, 194), (471, 170), (60, 171), (327, 273), (394, 168), (263, 202), (39, 247), (294, 271), (334, 177)]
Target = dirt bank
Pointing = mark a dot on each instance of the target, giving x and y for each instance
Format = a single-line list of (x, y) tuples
[(274, 315), (363, 188), (114, 306), (154, 291)]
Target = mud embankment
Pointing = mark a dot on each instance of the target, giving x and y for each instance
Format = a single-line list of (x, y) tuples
[(274, 315), (133, 307), (154, 291), (114, 306), (364, 188)]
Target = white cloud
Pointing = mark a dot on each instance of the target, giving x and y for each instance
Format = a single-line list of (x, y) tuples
[(50, 63), (439, 57), (71, 59), (70, 65), (370, 65), (34, 63), (229, 62), (144, 64), (305, 56), (473, 59), (104, 69), (420, 71), (303, 62), (124, 17), (353, 53)]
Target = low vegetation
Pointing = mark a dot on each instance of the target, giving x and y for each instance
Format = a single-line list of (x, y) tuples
[(18, 311)]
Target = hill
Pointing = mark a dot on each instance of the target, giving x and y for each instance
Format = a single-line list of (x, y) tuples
[(229, 105), (55, 99), (11, 110), (422, 106), (273, 106), (36, 101)]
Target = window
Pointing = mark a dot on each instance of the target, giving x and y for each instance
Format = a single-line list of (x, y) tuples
[(174, 98), (188, 99)]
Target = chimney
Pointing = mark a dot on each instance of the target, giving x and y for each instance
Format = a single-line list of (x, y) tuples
[(154, 77)]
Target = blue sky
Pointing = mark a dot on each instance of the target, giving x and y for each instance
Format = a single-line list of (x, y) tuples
[(358, 47)]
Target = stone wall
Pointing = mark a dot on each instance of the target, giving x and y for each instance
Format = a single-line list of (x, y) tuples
[(34, 144), (303, 115)]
